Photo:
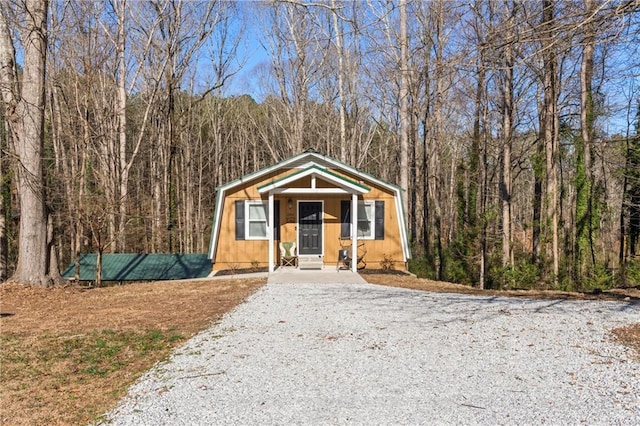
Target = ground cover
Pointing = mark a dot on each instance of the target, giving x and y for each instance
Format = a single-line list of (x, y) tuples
[(68, 354)]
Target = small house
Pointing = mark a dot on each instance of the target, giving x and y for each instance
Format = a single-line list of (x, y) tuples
[(323, 212)]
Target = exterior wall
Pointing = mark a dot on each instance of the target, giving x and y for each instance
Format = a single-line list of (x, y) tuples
[(233, 254)]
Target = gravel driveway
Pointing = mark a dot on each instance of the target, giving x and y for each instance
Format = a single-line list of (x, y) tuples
[(367, 354)]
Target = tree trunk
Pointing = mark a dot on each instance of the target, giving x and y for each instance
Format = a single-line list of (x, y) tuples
[(536, 215), (99, 268), (121, 97), (550, 131), (341, 92), (507, 132), (584, 170), (437, 133), (54, 264), (4, 191), (404, 108), (25, 113), (478, 179)]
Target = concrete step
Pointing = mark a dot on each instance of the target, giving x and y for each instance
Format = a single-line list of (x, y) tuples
[(310, 262)]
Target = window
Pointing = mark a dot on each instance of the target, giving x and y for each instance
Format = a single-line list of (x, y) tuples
[(257, 220), (366, 222), (370, 219)]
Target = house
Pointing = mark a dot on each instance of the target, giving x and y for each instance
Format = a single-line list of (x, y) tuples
[(315, 201)]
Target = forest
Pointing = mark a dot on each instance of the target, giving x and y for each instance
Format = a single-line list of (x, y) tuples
[(513, 126)]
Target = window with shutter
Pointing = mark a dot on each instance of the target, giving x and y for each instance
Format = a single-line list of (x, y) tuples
[(370, 220), (256, 223)]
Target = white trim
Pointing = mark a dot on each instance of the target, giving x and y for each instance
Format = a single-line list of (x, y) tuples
[(247, 219), (372, 220), (402, 225), (321, 225), (270, 228), (216, 223), (314, 172), (308, 164), (311, 191), (354, 236)]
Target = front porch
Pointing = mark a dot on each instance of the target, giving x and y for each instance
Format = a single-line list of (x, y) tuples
[(311, 190)]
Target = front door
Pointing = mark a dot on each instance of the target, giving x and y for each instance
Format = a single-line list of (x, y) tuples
[(310, 227)]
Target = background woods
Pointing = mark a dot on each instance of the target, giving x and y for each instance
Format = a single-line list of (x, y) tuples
[(513, 126)]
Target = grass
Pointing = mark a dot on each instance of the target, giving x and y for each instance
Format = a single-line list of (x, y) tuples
[(73, 367), (69, 354)]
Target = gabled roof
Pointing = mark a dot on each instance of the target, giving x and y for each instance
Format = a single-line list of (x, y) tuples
[(315, 170), (142, 267), (310, 161)]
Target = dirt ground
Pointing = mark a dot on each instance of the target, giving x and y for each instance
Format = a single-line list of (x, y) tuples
[(409, 281), (68, 354)]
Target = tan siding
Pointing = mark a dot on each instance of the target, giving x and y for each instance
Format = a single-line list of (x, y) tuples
[(244, 254), (323, 184)]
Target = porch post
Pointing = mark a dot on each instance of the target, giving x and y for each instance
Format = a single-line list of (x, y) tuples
[(354, 232), (270, 232)]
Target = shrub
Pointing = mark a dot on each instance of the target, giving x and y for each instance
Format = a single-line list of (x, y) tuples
[(632, 273), (422, 268), (600, 278), (255, 265), (523, 275), (387, 263), (457, 270)]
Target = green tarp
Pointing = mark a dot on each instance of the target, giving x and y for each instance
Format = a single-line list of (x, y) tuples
[(142, 267)]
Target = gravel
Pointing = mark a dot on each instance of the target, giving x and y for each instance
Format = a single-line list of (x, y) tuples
[(367, 354)]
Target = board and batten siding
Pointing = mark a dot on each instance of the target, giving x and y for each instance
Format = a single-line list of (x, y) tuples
[(232, 253)]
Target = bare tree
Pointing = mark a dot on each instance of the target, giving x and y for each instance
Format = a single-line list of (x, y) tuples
[(4, 192), (585, 203), (183, 28), (122, 142), (476, 200), (341, 75), (404, 106), (295, 64), (550, 126), (507, 134), (24, 101)]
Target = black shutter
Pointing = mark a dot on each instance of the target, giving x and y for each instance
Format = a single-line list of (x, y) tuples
[(276, 220), (345, 217), (379, 218), (239, 220)]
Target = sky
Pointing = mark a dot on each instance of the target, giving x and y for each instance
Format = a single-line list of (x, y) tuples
[(252, 65)]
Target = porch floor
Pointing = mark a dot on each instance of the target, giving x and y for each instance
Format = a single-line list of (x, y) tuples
[(327, 274)]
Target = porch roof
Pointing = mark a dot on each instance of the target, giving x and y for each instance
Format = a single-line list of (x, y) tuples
[(280, 185)]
